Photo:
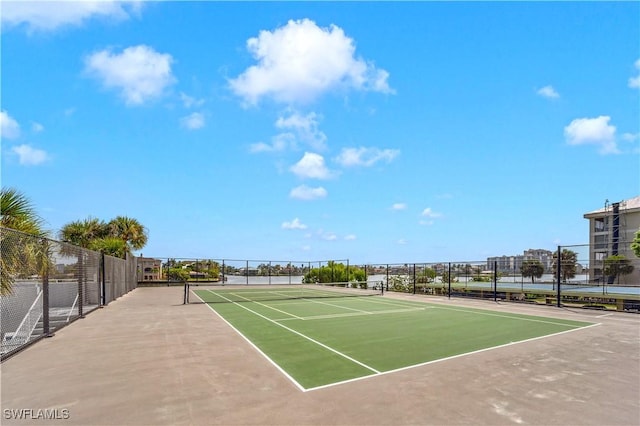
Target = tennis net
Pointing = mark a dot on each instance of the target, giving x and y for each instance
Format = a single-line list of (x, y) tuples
[(261, 293)]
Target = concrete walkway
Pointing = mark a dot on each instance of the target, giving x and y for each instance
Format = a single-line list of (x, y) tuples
[(146, 359)]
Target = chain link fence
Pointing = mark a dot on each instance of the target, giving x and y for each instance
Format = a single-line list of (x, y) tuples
[(167, 271), (585, 276), (48, 284)]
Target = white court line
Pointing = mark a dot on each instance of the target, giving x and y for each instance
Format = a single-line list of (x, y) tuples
[(272, 362), (354, 314), (261, 304), (378, 373), (483, 311), (338, 306), (303, 336), (516, 316), (308, 299), (448, 358)]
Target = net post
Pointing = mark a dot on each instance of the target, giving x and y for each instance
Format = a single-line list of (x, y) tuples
[(186, 293)]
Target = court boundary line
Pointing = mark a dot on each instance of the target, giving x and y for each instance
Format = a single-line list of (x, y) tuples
[(380, 373), (254, 346), (329, 348), (486, 312), (450, 358), (262, 304)]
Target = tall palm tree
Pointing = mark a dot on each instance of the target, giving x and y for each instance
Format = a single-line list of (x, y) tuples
[(130, 231), (21, 252), (83, 232)]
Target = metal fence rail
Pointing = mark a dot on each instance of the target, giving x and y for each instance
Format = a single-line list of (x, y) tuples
[(48, 284)]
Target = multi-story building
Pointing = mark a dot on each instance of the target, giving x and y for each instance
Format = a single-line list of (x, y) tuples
[(611, 231), (543, 256), (149, 269), (513, 264)]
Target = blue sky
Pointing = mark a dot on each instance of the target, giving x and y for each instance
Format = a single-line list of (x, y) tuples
[(376, 132)]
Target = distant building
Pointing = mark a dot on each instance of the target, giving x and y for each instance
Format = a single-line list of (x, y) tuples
[(543, 256), (513, 264), (611, 231), (149, 269)]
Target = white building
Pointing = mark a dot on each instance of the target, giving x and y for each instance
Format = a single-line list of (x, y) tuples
[(611, 232)]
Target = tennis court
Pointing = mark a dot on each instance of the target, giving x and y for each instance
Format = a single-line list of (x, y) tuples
[(319, 336)]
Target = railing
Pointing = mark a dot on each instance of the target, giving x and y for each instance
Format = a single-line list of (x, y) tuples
[(25, 329), (75, 302), (70, 282)]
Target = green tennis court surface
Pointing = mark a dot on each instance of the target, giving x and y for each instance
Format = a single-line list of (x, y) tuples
[(320, 339)]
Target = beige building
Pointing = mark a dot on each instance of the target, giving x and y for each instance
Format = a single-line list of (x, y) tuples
[(611, 231), (149, 269)]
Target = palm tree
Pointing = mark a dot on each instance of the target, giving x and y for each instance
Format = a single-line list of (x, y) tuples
[(18, 213), (112, 246), (130, 231), (568, 264), (21, 252), (83, 232)]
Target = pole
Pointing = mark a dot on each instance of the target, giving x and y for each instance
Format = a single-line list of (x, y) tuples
[(103, 284), (558, 267), (495, 280), (414, 278), (449, 279)]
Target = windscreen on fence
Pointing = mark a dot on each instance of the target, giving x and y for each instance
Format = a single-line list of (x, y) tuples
[(48, 284)]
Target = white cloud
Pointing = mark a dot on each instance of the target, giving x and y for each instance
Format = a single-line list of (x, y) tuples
[(592, 131), (350, 237), (303, 192), (139, 72), (300, 61), (36, 127), (634, 82), (193, 121), (29, 156), (189, 101), (280, 142), (429, 213), (312, 166), (9, 127), (294, 224), (630, 137), (329, 236), (399, 206), (365, 156), (50, 15), (548, 92), (402, 242), (305, 128)]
